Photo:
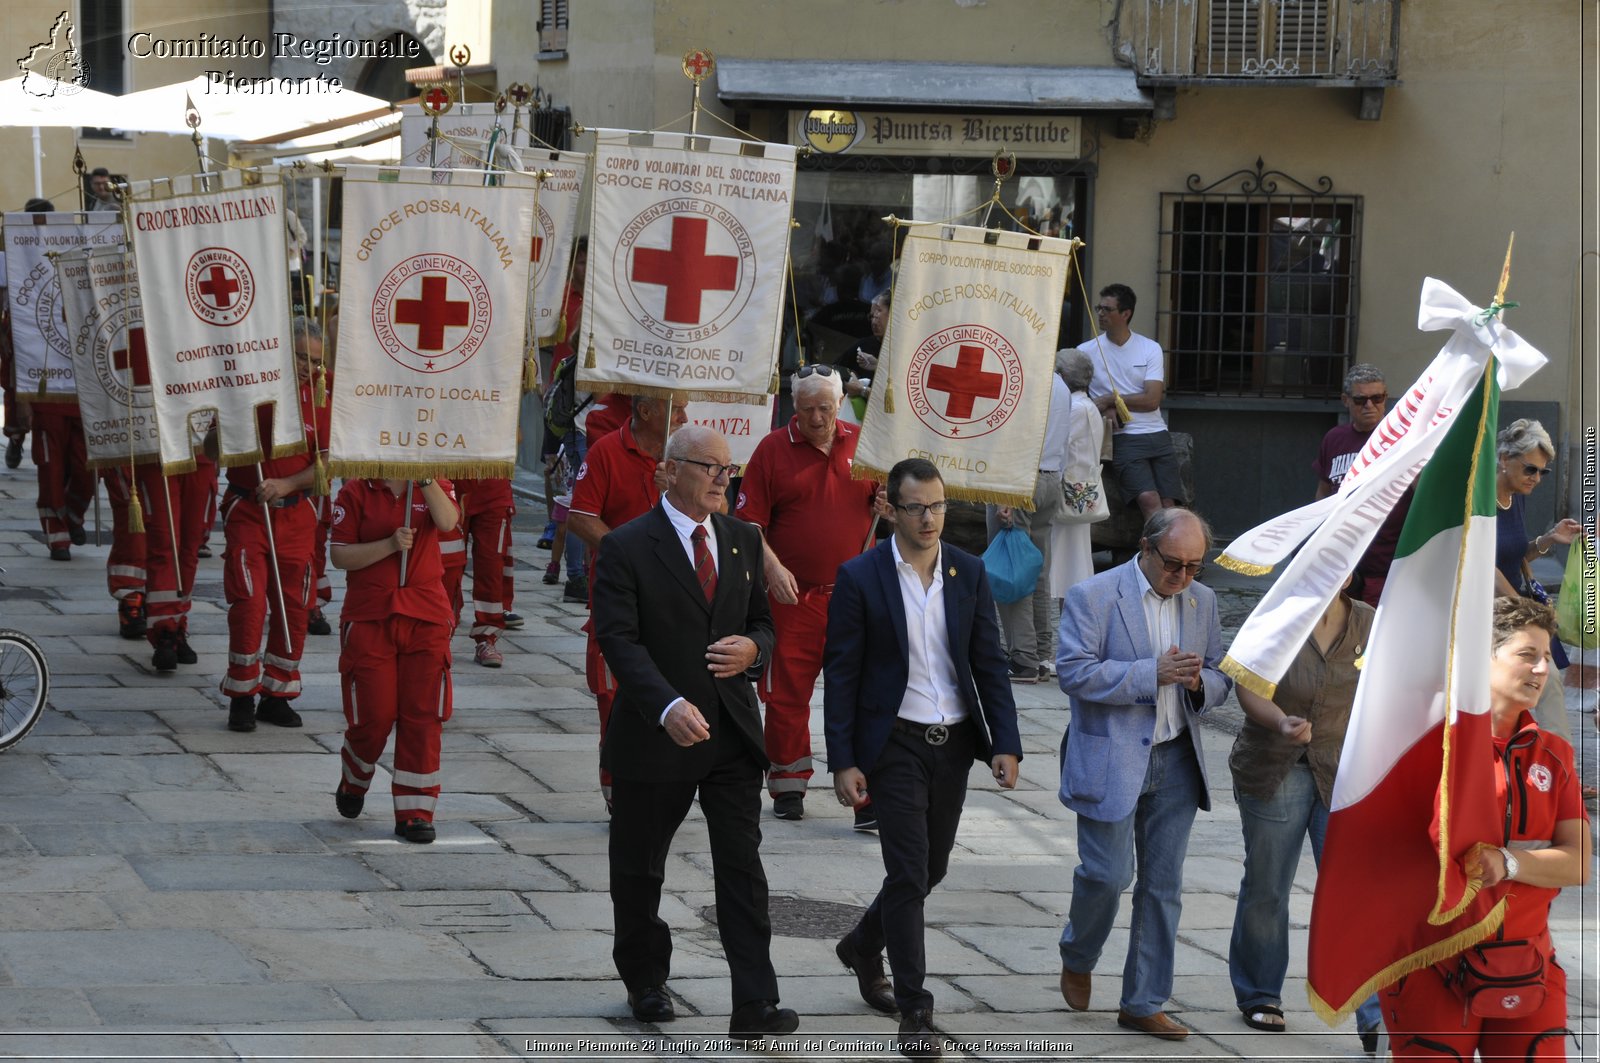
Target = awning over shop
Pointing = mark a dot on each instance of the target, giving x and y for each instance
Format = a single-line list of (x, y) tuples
[(866, 85)]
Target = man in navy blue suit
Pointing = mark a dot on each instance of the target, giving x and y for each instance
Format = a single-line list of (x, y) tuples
[(915, 689)]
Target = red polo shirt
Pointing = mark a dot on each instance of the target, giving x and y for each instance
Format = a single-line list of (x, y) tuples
[(244, 476), (618, 481), (815, 516), (366, 511)]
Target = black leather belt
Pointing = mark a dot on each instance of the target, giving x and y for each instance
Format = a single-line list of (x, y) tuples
[(249, 494), (935, 734)]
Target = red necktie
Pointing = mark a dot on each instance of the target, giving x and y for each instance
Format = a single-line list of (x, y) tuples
[(704, 569)]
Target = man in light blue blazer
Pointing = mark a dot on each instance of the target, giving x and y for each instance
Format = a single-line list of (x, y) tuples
[(1138, 657)]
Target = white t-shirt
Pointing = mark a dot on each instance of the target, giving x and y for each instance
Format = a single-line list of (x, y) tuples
[(1131, 366)]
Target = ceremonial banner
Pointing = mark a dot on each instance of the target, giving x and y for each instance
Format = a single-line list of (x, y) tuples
[(964, 376), (38, 330), (742, 424), (434, 307), (1415, 789), (218, 333), (464, 133), (1341, 527), (101, 296), (688, 238), (555, 228)]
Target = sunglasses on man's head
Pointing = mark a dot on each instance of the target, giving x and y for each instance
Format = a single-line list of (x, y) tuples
[(814, 369)]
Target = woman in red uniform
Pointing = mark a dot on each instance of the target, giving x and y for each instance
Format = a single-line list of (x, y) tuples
[(1545, 846), (394, 636)]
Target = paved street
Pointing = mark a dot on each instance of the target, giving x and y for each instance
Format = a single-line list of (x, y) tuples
[(172, 889)]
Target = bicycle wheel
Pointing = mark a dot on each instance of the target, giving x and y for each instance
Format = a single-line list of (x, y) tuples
[(24, 686)]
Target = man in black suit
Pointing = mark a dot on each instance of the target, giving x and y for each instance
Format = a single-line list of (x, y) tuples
[(916, 688), (680, 612)]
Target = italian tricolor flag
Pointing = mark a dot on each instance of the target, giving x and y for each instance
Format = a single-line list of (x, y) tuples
[(1415, 789)]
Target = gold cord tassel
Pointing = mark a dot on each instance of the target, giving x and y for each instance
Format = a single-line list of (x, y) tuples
[(43, 381), (135, 512), (530, 375), (772, 389), (319, 387), (888, 394), (319, 478), (588, 359)]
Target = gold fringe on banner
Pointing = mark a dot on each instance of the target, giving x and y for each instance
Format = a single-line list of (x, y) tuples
[(1246, 568), (679, 396), (179, 467), (120, 462), (135, 510), (1248, 679), (228, 461), (1435, 953), (320, 484), (401, 470), (859, 470)]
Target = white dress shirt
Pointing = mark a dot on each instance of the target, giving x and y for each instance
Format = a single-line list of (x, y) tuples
[(932, 695), (1161, 619), (685, 528)]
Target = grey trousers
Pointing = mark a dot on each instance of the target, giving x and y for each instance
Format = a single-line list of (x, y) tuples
[(1025, 623)]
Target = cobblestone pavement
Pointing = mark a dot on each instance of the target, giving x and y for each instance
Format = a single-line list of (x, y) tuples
[(172, 889)]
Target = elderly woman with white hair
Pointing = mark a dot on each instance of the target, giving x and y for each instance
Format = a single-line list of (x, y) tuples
[(1526, 457), (1083, 495)]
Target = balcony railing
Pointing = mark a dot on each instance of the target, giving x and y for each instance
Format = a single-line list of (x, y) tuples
[(1345, 41)]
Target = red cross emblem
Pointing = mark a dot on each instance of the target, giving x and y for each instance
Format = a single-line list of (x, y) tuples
[(437, 100), (447, 304), (697, 64), (220, 286), (432, 313), (134, 358), (538, 249), (965, 383), (685, 270)]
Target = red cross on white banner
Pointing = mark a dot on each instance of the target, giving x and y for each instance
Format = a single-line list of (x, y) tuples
[(133, 359), (219, 287), (685, 270), (432, 313), (965, 382)]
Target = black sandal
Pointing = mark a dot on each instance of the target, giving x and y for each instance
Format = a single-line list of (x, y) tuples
[(1253, 1020)]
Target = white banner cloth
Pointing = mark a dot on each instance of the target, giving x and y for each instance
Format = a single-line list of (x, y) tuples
[(1391, 460), (435, 295), (742, 424), (218, 334), (463, 135), (38, 330), (555, 229), (101, 297), (964, 377), (688, 238)]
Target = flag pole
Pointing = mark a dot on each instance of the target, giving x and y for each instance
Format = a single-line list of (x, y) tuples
[(403, 553), (272, 555)]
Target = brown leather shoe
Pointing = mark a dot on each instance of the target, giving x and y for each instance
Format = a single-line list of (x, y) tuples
[(1075, 990), (1157, 1025)]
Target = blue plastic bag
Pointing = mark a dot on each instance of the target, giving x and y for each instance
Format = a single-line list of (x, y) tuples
[(1013, 564)]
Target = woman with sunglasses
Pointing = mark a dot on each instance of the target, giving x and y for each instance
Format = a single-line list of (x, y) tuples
[(1526, 457)]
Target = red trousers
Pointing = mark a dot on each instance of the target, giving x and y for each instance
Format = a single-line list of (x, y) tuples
[(172, 542), (487, 507), (1426, 1020), (799, 631), (66, 486), (125, 564), (247, 583), (395, 674), (454, 554), (603, 685)]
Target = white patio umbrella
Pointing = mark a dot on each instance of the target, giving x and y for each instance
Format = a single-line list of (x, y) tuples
[(38, 101), (234, 114)]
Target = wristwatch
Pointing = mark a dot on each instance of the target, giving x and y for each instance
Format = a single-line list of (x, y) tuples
[(1511, 863), (423, 483)]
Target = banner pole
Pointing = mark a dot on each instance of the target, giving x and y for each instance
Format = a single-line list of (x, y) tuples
[(172, 534), (272, 554), (403, 553)]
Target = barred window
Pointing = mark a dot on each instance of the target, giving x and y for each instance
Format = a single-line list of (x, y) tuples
[(1259, 286)]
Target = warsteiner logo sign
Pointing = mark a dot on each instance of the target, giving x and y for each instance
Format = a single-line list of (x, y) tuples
[(684, 276), (432, 313), (220, 286), (965, 381)]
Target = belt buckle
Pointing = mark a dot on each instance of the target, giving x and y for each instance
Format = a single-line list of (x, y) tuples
[(936, 735)]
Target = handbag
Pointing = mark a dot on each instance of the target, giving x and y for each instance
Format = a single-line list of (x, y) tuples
[(1498, 979), (1575, 607), (1013, 564), (1083, 502)]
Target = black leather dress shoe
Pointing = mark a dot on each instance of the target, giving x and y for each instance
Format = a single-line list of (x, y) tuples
[(652, 1005), (757, 1019), (870, 980), (917, 1038)]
